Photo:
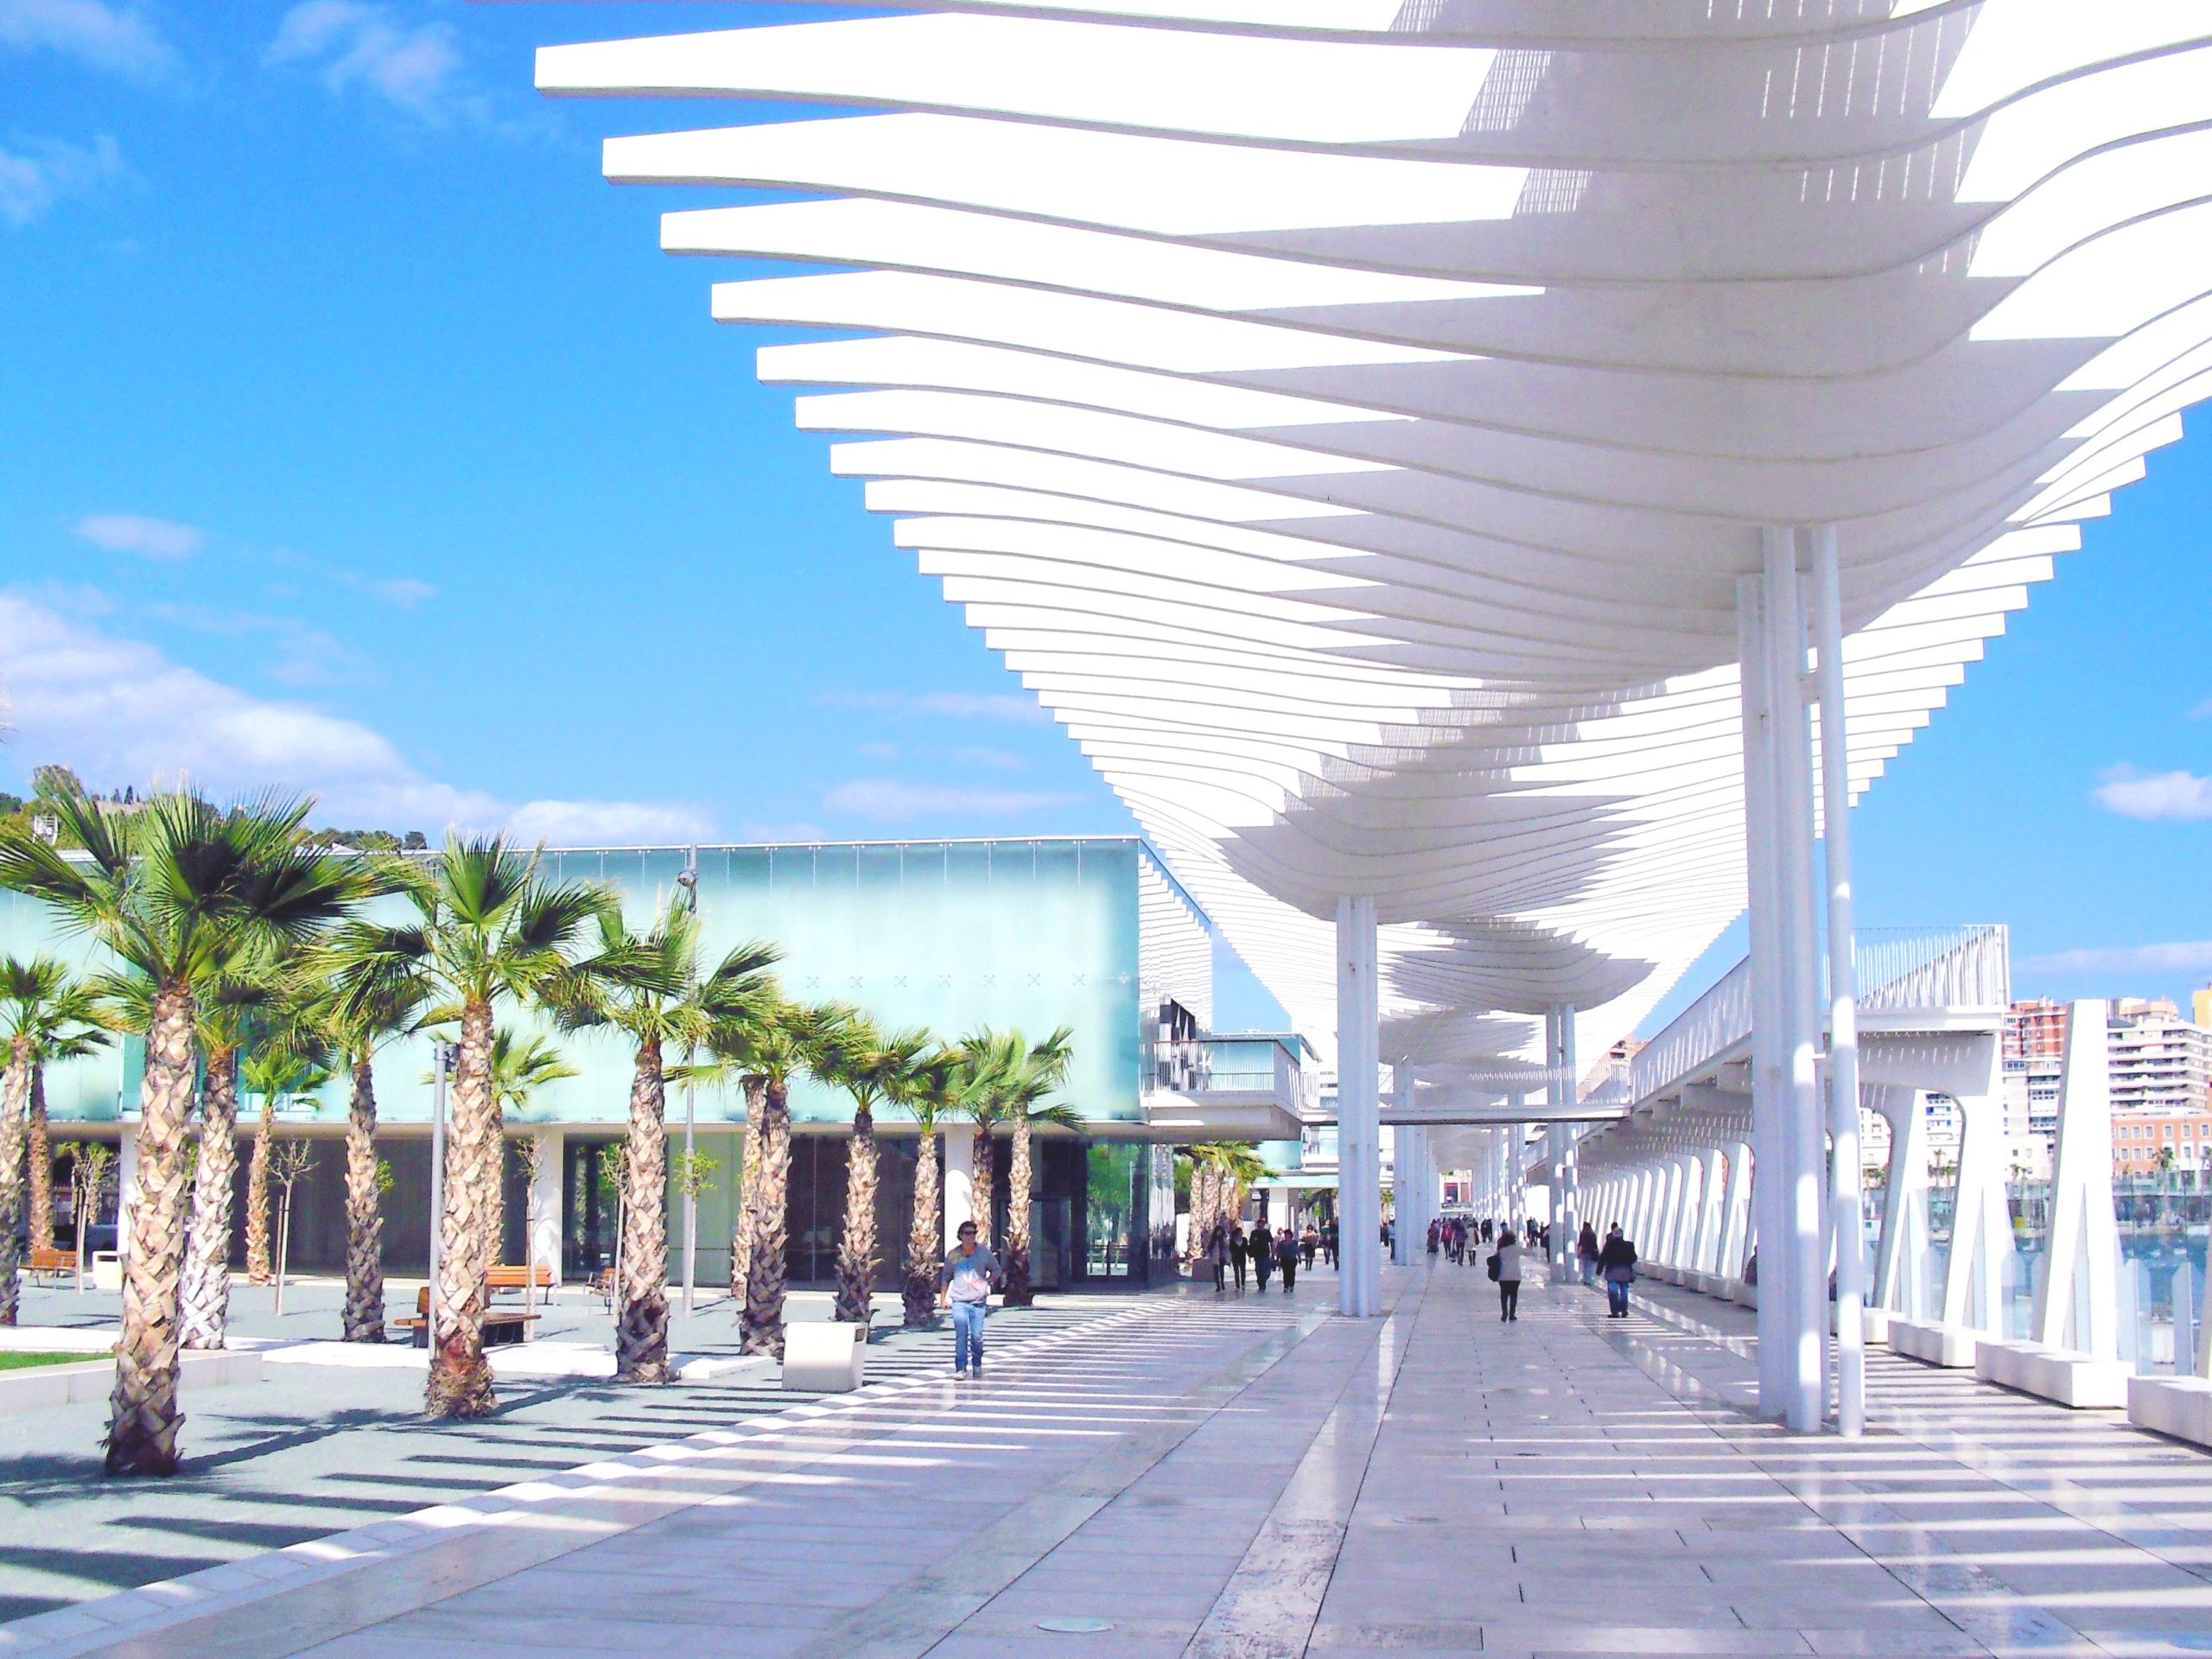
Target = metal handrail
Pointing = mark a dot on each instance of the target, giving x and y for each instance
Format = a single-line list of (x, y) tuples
[(1900, 969)]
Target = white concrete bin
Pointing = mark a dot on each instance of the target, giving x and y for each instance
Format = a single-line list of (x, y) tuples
[(825, 1357), (107, 1270)]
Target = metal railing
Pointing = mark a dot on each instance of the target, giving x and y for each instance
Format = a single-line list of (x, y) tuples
[(1905, 968), (1900, 969)]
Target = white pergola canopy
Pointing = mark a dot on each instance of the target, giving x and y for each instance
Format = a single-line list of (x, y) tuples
[(1351, 418)]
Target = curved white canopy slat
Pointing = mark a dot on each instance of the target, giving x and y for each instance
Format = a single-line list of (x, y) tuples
[(1350, 418)]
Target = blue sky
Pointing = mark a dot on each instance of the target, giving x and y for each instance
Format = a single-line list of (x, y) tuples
[(354, 433)]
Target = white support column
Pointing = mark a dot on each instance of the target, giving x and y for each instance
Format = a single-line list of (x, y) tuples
[(1359, 1286), (1711, 1216), (2080, 1300), (1981, 1223), (1687, 1229), (126, 1184), (1770, 1155), (1846, 1203), (1736, 1218), (1405, 1171), (545, 1197), (1567, 1198), (1805, 1139), (959, 1184), (1898, 1283)]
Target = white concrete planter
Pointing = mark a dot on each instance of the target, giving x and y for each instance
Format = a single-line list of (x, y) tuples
[(94, 1379), (1933, 1343), (2179, 1406), (825, 1357), (2072, 1379)]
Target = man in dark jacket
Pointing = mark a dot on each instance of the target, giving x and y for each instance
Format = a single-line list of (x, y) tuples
[(1616, 1266)]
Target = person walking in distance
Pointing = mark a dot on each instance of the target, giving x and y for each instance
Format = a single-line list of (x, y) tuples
[(1617, 1262), (1585, 1253), (1218, 1254), (1308, 1242), (1505, 1268), (1262, 1246), (1286, 1248), (968, 1272), (1329, 1241), (1237, 1261)]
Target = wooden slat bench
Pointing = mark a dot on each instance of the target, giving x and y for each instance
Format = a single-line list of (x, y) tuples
[(59, 1264), (500, 1329), (510, 1278)]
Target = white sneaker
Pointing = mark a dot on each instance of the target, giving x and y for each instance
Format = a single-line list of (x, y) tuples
[(959, 1376)]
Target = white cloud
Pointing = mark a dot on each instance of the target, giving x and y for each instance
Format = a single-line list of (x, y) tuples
[(2175, 795), (989, 760), (413, 67), (120, 711), (609, 824), (46, 170), (113, 38), (2138, 961), (943, 705), (152, 538), (406, 592), (886, 801)]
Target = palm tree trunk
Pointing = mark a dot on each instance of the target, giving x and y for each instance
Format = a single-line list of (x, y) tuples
[(1019, 1176), (856, 1248), (363, 1214), (257, 1196), (748, 1179), (983, 1200), (41, 1158), (1202, 1209), (13, 1106), (766, 1225), (461, 1377), (641, 1320), (205, 1302), (925, 1240), (142, 1415)]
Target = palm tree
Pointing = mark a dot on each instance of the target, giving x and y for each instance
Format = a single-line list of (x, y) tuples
[(944, 1081), (356, 1027), (1018, 1075), (770, 1053), (231, 1008), (1221, 1170), (173, 891), (487, 929), (649, 987), (872, 1069), (289, 1065), (46, 1014)]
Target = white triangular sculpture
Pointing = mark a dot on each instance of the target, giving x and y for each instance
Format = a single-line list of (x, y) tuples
[(2079, 1307)]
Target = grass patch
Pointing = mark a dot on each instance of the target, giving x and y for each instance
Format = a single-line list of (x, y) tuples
[(20, 1361)]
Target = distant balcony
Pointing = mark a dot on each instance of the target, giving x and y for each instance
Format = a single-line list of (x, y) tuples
[(1248, 1086)]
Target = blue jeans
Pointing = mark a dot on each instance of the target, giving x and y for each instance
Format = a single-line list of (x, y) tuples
[(1589, 1270), (967, 1336), (1615, 1296)]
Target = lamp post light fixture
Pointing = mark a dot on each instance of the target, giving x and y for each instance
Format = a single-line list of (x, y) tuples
[(686, 896)]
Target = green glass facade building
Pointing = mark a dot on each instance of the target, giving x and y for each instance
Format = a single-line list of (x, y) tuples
[(1030, 933)]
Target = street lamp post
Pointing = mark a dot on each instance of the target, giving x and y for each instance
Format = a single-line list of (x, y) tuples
[(687, 888), (440, 1063)]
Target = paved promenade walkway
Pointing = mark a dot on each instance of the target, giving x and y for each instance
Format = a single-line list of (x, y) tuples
[(1257, 1480)]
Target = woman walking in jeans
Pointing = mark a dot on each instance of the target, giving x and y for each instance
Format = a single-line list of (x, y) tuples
[(968, 1272)]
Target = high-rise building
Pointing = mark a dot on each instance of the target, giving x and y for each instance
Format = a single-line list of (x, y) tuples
[(2160, 1062)]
